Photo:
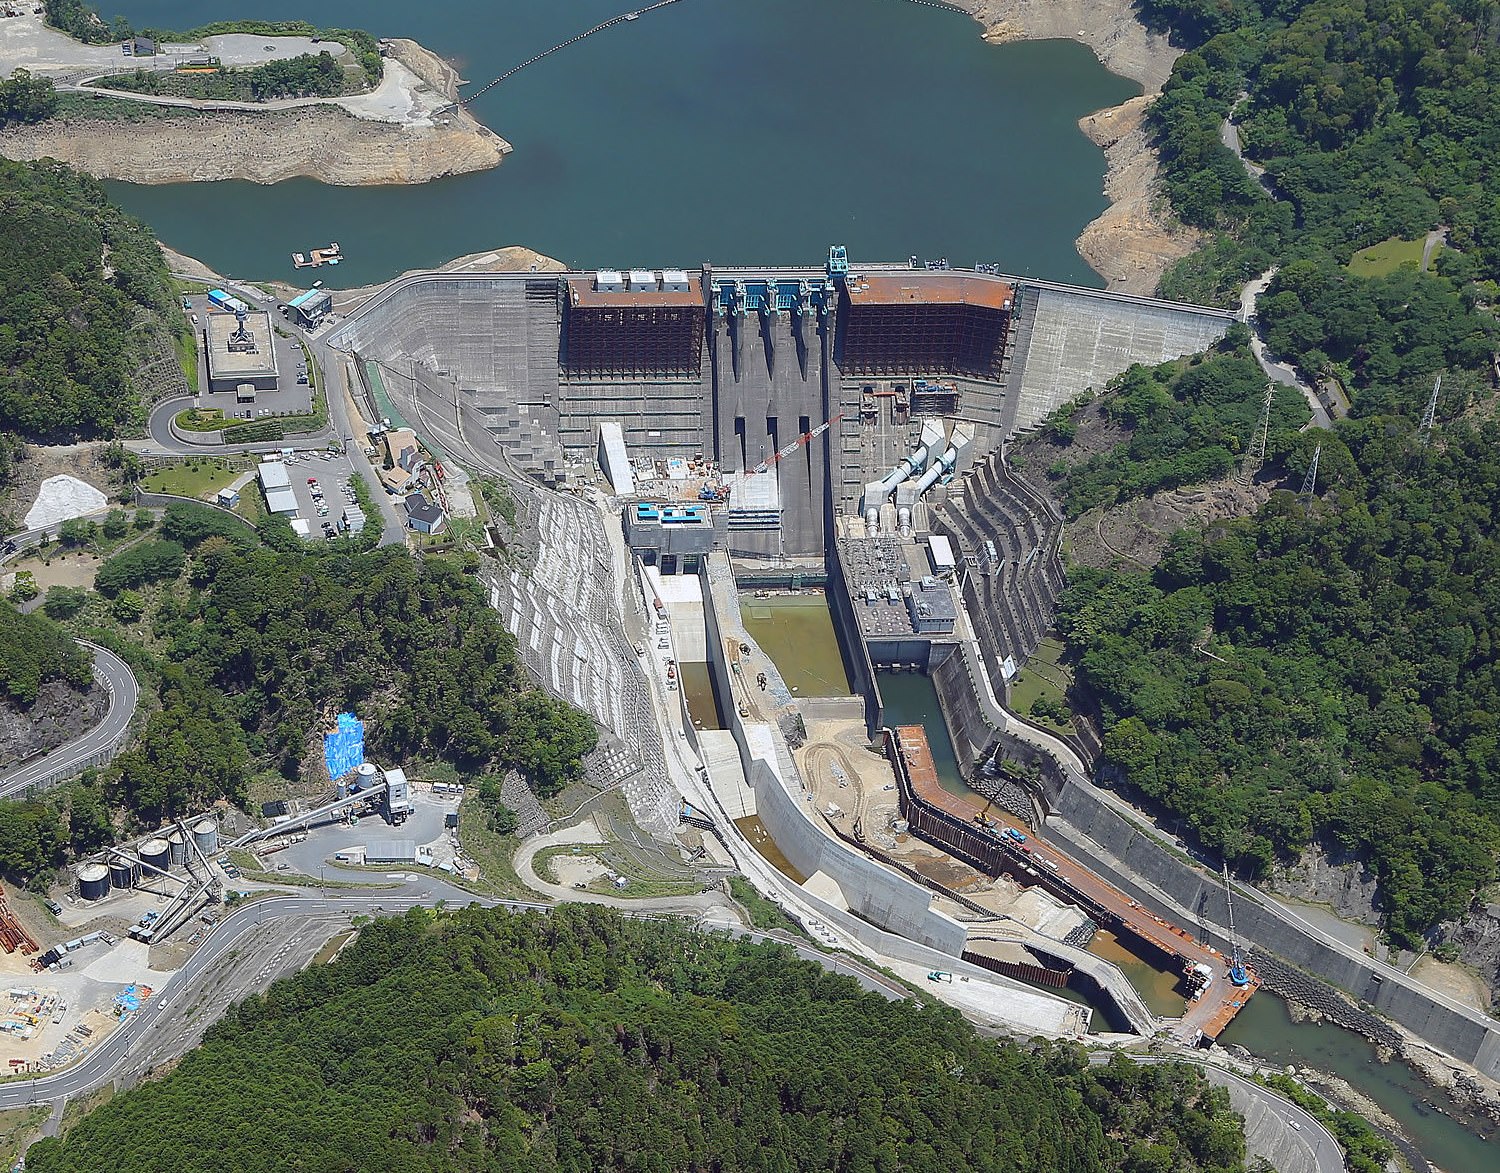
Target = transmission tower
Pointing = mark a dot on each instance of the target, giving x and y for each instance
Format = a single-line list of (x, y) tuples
[(1310, 481), (1255, 453), (1429, 414)]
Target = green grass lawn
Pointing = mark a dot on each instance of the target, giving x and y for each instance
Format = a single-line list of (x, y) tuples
[(192, 479), (187, 358), (1043, 676), (1386, 257)]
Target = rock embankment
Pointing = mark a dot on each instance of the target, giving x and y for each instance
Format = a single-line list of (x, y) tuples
[(59, 714), (1137, 238), (323, 142), (1110, 28)]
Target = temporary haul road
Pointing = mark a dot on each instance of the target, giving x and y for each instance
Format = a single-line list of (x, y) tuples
[(93, 747)]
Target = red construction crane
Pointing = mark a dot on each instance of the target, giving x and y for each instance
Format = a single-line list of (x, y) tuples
[(804, 438)]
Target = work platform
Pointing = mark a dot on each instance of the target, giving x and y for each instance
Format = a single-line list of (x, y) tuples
[(975, 833)]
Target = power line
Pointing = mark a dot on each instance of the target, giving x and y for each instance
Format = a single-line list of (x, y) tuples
[(1255, 452), (1429, 414), (1310, 481)]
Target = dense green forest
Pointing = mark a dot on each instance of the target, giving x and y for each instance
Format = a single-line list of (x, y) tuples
[(1189, 421), (483, 1040), (36, 651), (71, 334), (1372, 118), (1353, 684), (307, 76)]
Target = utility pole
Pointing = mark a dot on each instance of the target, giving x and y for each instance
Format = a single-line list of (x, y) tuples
[(1429, 414)]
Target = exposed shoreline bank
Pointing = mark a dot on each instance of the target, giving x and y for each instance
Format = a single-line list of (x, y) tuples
[(410, 131), (1133, 242)]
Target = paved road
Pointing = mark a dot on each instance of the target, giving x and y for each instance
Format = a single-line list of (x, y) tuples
[(71, 758), (1291, 1139)]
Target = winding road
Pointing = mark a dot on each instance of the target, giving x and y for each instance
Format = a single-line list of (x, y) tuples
[(92, 748)]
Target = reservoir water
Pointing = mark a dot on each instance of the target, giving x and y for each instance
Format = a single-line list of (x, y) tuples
[(708, 130)]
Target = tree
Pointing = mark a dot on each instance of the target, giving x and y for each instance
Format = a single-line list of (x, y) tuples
[(116, 525), (64, 602)]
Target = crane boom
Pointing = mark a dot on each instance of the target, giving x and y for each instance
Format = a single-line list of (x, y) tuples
[(804, 438)]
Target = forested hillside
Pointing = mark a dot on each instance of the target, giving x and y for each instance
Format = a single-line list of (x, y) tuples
[(481, 1040), (84, 297), (36, 650), (251, 650), (1187, 421), (1352, 685), (1324, 670), (1373, 118)]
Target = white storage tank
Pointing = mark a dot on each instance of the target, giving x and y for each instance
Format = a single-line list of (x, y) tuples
[(122, 873), (206, 836), (156, 853), (177, 844), (93, 881)]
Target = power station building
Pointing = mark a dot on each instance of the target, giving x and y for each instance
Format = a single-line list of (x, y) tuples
[(240, 354)]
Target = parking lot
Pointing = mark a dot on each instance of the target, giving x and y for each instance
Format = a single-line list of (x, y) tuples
[(321, 486), (293, 393)]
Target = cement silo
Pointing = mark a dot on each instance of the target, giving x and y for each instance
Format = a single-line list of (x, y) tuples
[(177, 844), (206, 836), (93, 881), (123, 873), (156, 853)]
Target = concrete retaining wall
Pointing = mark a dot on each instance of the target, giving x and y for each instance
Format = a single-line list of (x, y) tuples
[(1310, 967), (887, 899), (1108, 844)]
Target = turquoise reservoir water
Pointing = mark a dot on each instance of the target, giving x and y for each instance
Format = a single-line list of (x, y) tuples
[(709, 130)]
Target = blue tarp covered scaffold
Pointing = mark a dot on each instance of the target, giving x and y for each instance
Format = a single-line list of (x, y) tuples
[(344, 748)]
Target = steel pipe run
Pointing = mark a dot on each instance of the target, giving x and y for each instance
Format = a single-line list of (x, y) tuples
[(877, 493), (940, 467)]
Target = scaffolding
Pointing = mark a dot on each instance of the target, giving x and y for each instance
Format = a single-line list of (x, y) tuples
[(635, 334), (919, 326)]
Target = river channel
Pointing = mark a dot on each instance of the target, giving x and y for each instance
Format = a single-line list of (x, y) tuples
[(708, 130)]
